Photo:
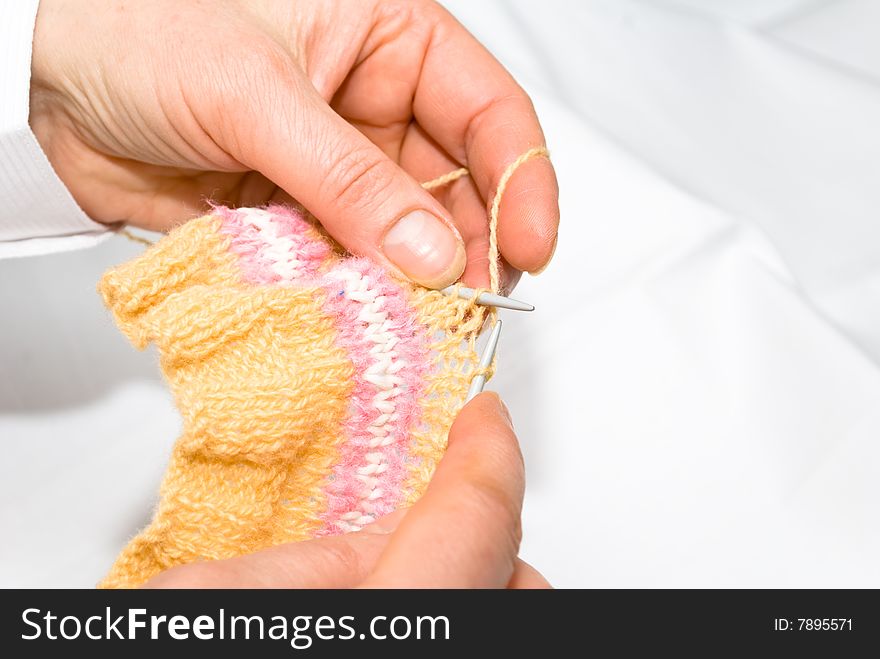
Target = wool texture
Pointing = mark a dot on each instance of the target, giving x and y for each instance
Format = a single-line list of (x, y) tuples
[(316, 388)]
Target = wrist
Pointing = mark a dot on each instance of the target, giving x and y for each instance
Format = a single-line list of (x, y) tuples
[(44, 89)]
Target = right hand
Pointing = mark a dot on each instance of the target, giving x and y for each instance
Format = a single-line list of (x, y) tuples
[(463, 533)]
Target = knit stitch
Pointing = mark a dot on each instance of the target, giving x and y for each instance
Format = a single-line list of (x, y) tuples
[(316, 388)]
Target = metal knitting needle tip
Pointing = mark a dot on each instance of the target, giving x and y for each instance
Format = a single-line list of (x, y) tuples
[(489, 299), (486, 358)]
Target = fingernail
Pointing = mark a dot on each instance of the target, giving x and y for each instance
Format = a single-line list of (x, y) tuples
[(505, 412), (425, 249)]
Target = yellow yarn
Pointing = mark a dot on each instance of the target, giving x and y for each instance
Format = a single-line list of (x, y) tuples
[(264, 378)]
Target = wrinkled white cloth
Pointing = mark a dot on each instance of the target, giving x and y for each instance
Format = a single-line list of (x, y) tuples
[(697, 392)]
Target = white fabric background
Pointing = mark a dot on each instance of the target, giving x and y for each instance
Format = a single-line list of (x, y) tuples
[(698, 393)]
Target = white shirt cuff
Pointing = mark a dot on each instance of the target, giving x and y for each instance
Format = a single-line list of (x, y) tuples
[(38, 215)]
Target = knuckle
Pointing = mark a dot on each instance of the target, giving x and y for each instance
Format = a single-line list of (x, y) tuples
[(357, 178), (516, 535), (492, 501), (342, 554), (515, 103)]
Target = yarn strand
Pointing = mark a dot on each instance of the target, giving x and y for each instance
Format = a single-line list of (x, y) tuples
[(495, 208), (133, 237), (440, 181)]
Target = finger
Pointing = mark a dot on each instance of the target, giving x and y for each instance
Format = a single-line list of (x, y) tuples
[(286, 131), (464, 201), (525, 577), (424, 159), (333, 562), (469, 103), (465, 531)]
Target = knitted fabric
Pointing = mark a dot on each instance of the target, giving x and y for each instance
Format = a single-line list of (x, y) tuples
[(316, 388)]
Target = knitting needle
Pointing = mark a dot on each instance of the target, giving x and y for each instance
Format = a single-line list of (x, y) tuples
[(487, 299), (479, 380)]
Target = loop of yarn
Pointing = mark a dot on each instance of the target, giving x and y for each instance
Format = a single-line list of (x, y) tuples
[(495, 208)]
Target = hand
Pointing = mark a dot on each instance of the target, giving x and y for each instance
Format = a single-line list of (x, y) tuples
[(463, 533), (148, 109)]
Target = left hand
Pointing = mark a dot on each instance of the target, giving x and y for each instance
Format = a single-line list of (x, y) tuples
[(147, 109)]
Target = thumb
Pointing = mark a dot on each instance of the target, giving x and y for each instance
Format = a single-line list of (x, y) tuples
[(360, 196), (465, 531)]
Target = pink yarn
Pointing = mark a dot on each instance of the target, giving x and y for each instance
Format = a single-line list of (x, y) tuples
[(275, 247), (252, 243), (344, 491)]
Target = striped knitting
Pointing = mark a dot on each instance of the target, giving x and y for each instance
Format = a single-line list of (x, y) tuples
[(316, 389)]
